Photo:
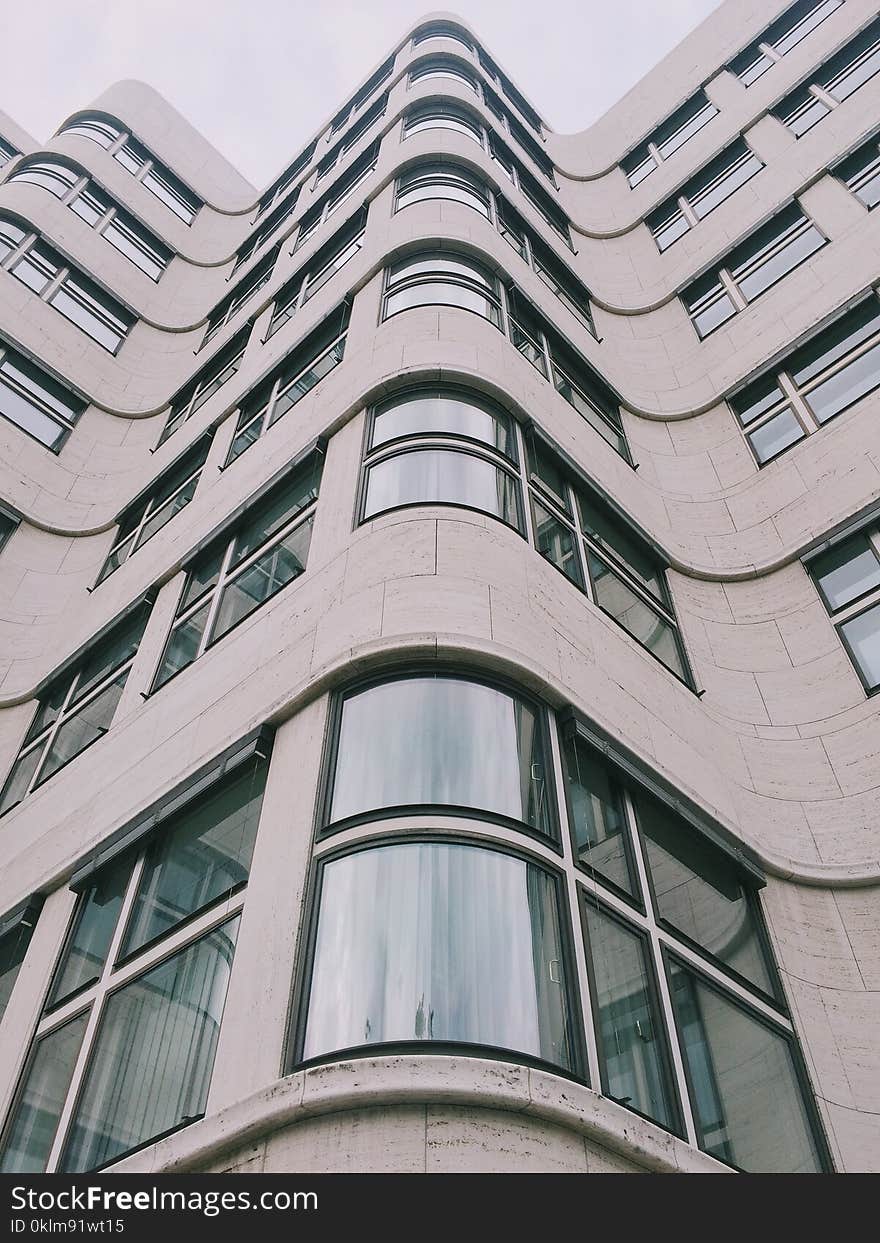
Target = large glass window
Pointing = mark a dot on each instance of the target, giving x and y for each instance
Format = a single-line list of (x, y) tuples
[(340, 192), (848, 579), (441, 279), (674, 132), (7, 152), (416, 455), (227, 309), (751, 268), (221, 367), (64, 287), (35, 401), (100, 212), (447, 67), (703, 193), (16, 930), (149, 513), (75, 710), (442, 30), (137, 160), (448, 182), (361, 97), (445, 942), (280, 187), (318, 272), (832, 82), (860, 173), (302, 368), (823, 377), (266, 550), (442, 740), (149, 954), (336, 153), (780, 37)]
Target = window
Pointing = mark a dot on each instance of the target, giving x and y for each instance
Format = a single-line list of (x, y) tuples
[(137, 160), (216, 371), (686, 121), (279, 188), (149, 513), (848, 579), (341, 190), (442, 446), (227, 309), (16, 930), (519, 134), (785, 33), (450, 911), (442, 30), (243, 569), (303, 367), (35, 401), (544, 205), (438, 115), (64, 287), (7, 152), (604, 556), (354, 135), (833, 82), (825, 376), (752, 267), (148, 959), (99, 211), (716, 182), (860, 173), (280, 216), (441, 279), (510, 93), (357, 102), (444, 182), (444, 67), (8, 524), (75, 709), (313, 276)]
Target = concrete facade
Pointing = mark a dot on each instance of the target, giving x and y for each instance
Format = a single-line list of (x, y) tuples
[(781, 747)]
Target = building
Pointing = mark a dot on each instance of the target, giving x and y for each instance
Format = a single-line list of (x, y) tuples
[(485, 764)]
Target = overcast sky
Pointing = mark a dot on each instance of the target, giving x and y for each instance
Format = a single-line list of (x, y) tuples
[(257, 77)]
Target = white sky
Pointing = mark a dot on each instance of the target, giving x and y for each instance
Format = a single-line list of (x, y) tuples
[(257, 77)]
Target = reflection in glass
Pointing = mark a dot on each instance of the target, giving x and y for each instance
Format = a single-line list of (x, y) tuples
[(775, 435), (847, 571), (203, 855), (635, 1058), (555, 541), (442, 741), (598, 818), (439, 942), (863, 637), (446, 412), (747, 1100), (32, 1126), (444, 476), (277, 567), (638, 618), (86, 951), (151, 1064), (700, 893), (13, 947)]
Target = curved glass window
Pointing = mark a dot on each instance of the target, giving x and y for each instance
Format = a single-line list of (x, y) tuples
[(448, 412), (442, 30), (104, 133), (442, 477), (442, 280), (56, 178), (441, 67), (446, 182), (443, 741), (442, 116), (427, 941)]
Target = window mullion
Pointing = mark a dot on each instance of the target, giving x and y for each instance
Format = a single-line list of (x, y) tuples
[(215, 602), (823, 96), (732, 289), (579, 542), (654, 150), (55, 284), (687, 211), (796, 401)]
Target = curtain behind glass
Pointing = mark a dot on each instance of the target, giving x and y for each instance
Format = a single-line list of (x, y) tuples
[(439, 942), (150, 1068)]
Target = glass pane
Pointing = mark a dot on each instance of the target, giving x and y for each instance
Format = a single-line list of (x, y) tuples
[(740, 171), (86, 951), (98, 322), (443, 476), (150, 1067), (85, 726), (442, 293), (34, 1119), (862, 70), (846, 387), (632, 1039), (862, 635), (557, 542), (204, 853), (281, 508), (90, 205), (114, 650), (424, 741), (700, 892), (137, 247), (455, 414), (596, 800), (638, 618), (781, 263), (24, 413), (775, 435), (670, 229), (183, 645), (19, 779), (35, 269), (835, 342), (439, 942), (847, 571), (712, 313), (605, 527), (13, 947), (455, 191), (756, 400), (744, 1089), (278, 566), (166, 511)]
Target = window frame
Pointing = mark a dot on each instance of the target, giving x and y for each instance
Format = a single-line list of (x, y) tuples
[(859, 605)]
